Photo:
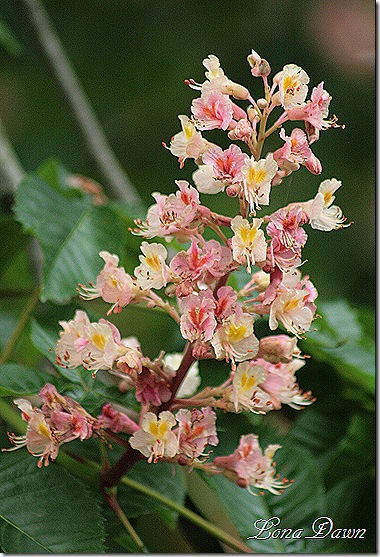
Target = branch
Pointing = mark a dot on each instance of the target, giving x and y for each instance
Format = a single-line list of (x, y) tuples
[(79, 104), (11, 170)]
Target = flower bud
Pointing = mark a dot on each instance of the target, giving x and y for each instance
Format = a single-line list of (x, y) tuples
[(278, 348), (232, 191), (264, 68), (238, 92), (276, 99), (262, 103)]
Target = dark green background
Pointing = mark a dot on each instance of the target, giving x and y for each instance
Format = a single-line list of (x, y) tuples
[(132, 58)]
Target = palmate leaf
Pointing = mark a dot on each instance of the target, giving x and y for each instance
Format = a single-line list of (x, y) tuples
[(70, 230), (46, 510), (163, 478), (341, 341), (16, 380)]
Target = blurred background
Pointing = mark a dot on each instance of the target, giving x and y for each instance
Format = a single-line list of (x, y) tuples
[(132, 57)]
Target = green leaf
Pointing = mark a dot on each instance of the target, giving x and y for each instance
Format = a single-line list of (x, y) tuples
[(70, 230), (16, 241), (341, 342), (48, 509), (8, 40), (16, 380), (166, 479), (297, 506)]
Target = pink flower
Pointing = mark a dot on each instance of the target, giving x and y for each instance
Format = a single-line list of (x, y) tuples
[(60, 420), (296, 152), (151, 389), (314, 112), (285, 225), (197, 319), (196, 430), (113, 284), (221, 168), (212, 110), (72, 340), (116, 421), (172, 215), (250, 466), (280, 384), (226, 303), (242, 131)]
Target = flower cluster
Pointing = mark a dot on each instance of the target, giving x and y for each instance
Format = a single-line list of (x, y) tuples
[(195, 283)]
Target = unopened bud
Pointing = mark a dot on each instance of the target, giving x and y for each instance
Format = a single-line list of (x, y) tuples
[(237, 91), (276, 99), (252, 114), (264, 68), (262, 103), (278, 348), (232, 191)]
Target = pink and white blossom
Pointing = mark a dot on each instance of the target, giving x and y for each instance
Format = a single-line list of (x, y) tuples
[(289, 309), (197, 319), (220, 169), (234, 339), (187, 143), (156, 439), (113, 284), (292, 85), (323, 215), (173, 215), (153, 271), (257, 177), (196, 430), (252, 468), (213, 110), (295, 152), (248, 242)]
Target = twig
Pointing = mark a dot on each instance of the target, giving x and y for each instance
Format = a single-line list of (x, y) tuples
[(10, 167), (79, 104)]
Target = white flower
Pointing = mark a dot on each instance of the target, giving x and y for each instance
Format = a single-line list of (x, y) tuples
[(322, 214), (248, 242), (155, 439), (257, 177), (292, 84), (234, 340), (192, 379), (153, 271), (289, 309)]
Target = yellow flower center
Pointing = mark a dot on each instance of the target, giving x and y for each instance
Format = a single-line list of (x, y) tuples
[(158, 429), (289, 84), (236, 333), (188, 131), (99, 340), (290, 305), (256, 176), (327, 196), (44, 430), (153, 262), (247, 382), (247, 235)]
